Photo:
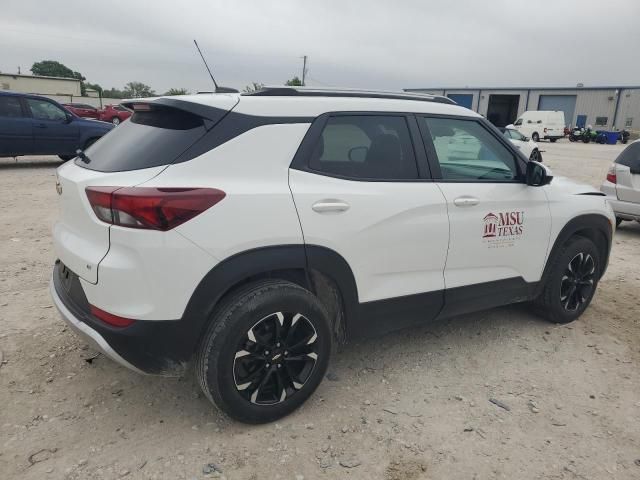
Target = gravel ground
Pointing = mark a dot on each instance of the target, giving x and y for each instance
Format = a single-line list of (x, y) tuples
[(496, 394)]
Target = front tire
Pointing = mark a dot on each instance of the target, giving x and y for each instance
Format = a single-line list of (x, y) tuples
[(572, 281), (553, 140), (535, 137), (115, 121), (265, 352)]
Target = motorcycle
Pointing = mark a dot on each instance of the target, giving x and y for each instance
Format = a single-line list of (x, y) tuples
[(575, 135), (623, 136)]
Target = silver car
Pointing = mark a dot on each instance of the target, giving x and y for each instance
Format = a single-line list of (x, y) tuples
[(622, 185)]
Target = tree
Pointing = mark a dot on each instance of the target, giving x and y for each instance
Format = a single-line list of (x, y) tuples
[(113, 93), (254, 87), (93, 86), (177, 91), (138, 90), (52, 68), (294, 82)]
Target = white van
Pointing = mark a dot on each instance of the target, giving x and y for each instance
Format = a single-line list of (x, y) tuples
[(537, 124)]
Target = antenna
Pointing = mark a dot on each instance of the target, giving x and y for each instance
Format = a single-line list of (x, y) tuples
[(217, 89), (205, 64)]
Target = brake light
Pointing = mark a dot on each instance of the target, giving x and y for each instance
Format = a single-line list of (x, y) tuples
[(110, 319), (611, 174), (151, 208)]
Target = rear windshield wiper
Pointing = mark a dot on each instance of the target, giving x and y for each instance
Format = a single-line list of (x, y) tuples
[(83, 156)]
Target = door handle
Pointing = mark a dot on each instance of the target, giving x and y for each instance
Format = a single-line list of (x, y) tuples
[(465, 201), (324, 206)]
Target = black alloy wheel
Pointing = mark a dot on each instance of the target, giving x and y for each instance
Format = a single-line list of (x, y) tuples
[(276, 358), (578, 281)]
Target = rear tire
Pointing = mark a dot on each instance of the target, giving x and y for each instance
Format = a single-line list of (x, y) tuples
[(115, 121), (618, 221), (535, 137), (572, 281), (265, 352), (553, 140)]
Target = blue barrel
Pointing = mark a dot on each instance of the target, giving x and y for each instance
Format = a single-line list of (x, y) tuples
[(612, 137)]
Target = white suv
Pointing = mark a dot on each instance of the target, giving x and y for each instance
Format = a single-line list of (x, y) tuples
[(247, 234)]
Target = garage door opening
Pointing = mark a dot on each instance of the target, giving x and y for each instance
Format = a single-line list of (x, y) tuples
[(503, 109)]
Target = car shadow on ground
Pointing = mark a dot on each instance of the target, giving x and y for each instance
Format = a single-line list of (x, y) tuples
[(435, 345)]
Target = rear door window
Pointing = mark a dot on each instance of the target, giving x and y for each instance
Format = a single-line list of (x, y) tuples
[(375, 147), (10, 107), (150, 138)]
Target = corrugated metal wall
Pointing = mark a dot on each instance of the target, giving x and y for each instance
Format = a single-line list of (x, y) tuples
[(590, 102)]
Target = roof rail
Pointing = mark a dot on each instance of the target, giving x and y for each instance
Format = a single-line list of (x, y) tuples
[(286, 91)]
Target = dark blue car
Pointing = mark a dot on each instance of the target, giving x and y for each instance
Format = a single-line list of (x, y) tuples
[(34, 125)]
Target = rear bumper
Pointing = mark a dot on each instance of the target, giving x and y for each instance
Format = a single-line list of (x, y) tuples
[(622, 209), (85, 331), (160, 347)]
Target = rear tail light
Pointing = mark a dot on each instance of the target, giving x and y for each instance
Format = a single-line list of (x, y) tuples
[(611, 174), (151, 208), (110, 319)]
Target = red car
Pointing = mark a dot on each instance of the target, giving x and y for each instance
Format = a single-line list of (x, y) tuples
[(83, 110), (114, 114)]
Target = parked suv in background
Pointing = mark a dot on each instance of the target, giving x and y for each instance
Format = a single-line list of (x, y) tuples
[(33, 125), (249, 233), (622, 185), (114, 114), (83, 110)]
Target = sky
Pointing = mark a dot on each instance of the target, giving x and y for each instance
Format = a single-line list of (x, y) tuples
[(349, 43)]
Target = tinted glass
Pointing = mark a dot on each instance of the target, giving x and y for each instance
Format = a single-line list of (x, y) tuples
[(149, 139), (366, 147), (43, 110), (10, 107), (630, 156), (468, 152)]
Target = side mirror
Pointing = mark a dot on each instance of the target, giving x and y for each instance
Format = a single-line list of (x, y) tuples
[(358, 154), (69, 118), (538, 175), (525, 139)]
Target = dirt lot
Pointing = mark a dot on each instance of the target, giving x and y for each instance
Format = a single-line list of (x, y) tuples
[(413, 405)]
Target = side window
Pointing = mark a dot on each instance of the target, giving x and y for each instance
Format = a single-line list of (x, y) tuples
[(601, 121), (10, 107), (468, 152), (366, 147), (518, 122), (43, 110)]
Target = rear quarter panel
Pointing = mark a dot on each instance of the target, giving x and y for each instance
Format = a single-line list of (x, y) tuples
[(252, 169)]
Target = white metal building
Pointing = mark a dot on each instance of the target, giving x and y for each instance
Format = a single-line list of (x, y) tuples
[(602, 107), (63, 90)]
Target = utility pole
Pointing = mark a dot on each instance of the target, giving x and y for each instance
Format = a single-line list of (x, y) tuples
[(304, 68)]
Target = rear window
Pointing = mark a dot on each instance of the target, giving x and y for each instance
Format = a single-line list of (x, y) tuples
[(630, 156), (150, 138)]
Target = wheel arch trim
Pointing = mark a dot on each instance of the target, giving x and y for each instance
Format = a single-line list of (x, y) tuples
[(582, 223), (243, 266)]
